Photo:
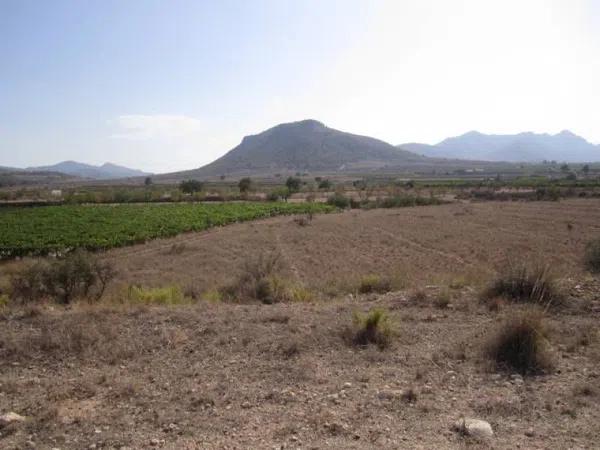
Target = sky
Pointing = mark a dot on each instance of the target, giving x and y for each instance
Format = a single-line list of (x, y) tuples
[(172, 85)]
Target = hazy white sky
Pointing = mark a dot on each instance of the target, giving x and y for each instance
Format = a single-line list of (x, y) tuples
[(169, 85)]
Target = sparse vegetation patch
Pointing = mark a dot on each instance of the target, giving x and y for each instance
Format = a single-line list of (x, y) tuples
[(78, 275), (521, 344), (166, 296), (373, 328), (524, 284), (374, 284), (592, 256)]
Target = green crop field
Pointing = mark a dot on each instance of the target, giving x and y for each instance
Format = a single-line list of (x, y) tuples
[(42, 230)]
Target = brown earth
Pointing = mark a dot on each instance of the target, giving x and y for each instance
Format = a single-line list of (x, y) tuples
[(217, 375), (416, 246)]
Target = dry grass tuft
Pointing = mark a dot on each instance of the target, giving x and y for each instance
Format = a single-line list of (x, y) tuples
[(374, 284), (523, 284), (520, 344), (371, 328)]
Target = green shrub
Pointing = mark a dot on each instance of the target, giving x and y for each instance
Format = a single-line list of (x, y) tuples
[(592, 256), (78, 275), (168, 295), (245, 184), (339, 201), (371, 328), (520, 283), (521, 345), (281, 193), (293, 184), (191, 186), (402, 201), (374, 283), (325, 184)]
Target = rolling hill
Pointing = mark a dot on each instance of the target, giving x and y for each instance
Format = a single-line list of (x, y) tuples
[(522, 147), (307, 145), (107, 171)]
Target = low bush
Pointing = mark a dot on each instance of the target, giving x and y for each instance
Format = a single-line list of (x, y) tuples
[(166, 296), (78, 275), (402, 201), (257, 281), (374, 284), (521, 345), (371, 328), (520, 283), (339, 201), (592, 256)]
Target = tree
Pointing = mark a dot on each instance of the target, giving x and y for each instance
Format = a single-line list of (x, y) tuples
[(325, 184), (191, 186), (281, 193), (245, 184), (148, 181), (586, 169), (565, 168), (293, 184)]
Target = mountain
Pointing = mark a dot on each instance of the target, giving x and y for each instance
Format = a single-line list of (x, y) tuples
[(107, 171), (307, 145), (8, 169), (522, 147)]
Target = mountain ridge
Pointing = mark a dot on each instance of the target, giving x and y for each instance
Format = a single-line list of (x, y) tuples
[(306, 145), (106, 171), (520, 147)]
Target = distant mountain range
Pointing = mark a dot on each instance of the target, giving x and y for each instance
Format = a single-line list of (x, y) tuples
[(106, 171), (522, 147), (307, 145)]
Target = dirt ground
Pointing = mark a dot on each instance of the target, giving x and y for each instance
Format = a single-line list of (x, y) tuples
[(238, 376), (418, 246)]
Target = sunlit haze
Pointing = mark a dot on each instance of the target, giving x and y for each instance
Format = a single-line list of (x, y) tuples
[(172, 85)]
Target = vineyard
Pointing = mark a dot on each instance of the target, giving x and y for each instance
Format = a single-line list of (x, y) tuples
[(43, 230)]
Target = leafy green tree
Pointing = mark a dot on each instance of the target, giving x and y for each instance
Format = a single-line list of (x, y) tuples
[(191, 186), (586, 169), (281, 193), (148, 181), (245, 184), (293, 184), (325, 184)]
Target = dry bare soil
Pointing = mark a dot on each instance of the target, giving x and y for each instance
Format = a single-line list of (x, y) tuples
[(218, 375)]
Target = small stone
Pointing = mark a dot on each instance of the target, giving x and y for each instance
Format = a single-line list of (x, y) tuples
[(530, 432), (246, 405), (474, 427), (10, 417), (347, 385)]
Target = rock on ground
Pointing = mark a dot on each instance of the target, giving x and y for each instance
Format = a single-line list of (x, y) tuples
[(474, 427)]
